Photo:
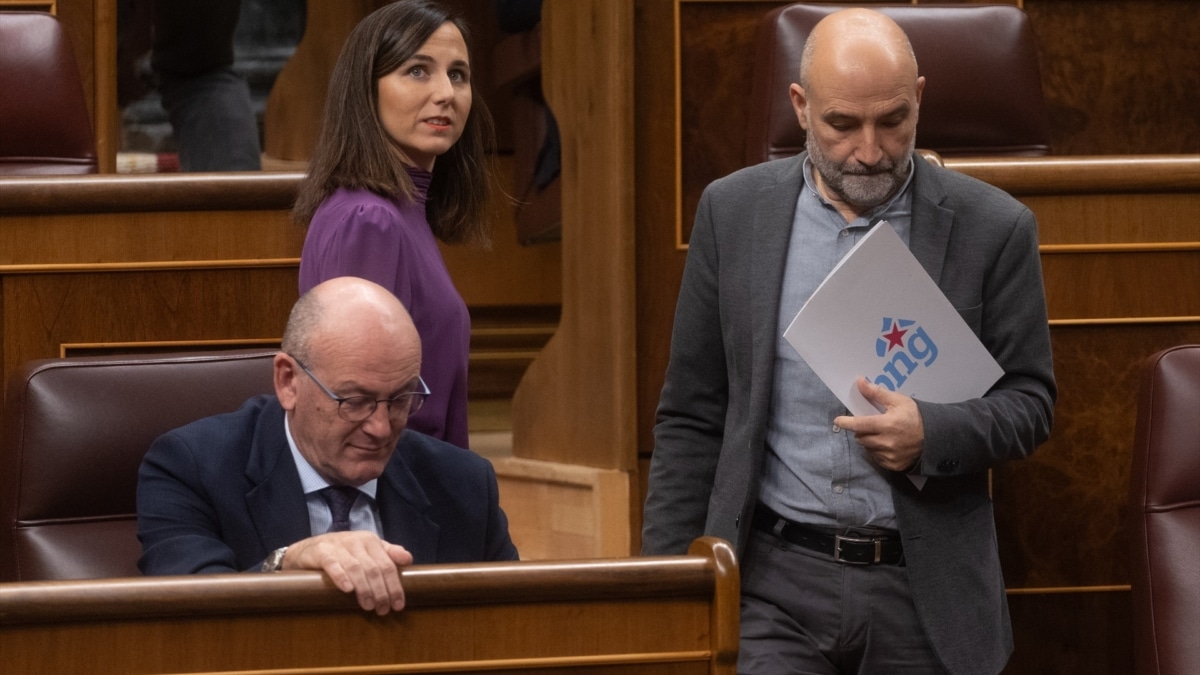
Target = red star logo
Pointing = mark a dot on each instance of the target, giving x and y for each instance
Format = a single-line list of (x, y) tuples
[(896, 337)]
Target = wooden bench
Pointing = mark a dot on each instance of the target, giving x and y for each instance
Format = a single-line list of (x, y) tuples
[(674, 615)]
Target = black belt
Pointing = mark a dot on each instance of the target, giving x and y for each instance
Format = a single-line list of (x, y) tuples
[(854, 548)]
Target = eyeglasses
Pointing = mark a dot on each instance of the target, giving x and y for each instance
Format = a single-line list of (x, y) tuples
[(359, 408)]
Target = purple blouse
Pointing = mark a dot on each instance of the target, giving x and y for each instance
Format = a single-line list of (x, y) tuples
[(388, 241)]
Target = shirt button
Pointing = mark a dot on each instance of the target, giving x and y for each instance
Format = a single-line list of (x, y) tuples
[(837, 488), (844, 233), (837, 429)]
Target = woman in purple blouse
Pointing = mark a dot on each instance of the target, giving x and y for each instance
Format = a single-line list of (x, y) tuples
[(400, 164)]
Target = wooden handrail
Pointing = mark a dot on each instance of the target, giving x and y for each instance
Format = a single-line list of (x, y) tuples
[(1085, 174), (621, 615), (256, 191), (711, 560), (148, 192)]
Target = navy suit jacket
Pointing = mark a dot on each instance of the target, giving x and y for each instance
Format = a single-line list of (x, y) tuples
[(219, 494)]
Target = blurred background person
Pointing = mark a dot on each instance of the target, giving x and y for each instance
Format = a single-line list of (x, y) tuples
[(192, 61)]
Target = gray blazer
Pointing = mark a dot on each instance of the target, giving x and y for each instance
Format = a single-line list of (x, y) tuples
[(980, 246)]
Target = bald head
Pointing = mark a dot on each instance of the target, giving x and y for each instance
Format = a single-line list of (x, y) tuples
[(853, 41), (348, 312), (348, 339), (858, 101)]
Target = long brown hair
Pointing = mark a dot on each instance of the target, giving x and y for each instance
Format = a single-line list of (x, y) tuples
[(354, 150)]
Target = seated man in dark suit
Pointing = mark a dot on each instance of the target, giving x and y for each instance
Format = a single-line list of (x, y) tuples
[(323, 475)]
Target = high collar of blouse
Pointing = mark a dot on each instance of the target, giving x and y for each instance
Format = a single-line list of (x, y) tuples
[(421, 180)]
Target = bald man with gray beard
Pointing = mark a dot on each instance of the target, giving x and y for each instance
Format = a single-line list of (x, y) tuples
[(847, 565)]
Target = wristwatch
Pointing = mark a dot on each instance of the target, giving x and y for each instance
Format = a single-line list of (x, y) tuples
[(274, 562)]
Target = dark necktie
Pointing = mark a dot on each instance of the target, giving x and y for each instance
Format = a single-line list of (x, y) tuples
[(339, 498)]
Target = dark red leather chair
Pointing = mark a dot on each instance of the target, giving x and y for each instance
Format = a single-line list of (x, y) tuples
[(983, 91), (75, 431), (1165, 504), (45, 127)]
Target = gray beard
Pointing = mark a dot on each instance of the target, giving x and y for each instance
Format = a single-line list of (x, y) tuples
[(852, 186)]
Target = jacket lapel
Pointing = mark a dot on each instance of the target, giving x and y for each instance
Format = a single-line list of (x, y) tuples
[(930, 232), (280, 513), (276, 502), (404, 508), (774, 211)]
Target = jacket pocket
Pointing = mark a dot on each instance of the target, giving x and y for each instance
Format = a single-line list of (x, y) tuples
[(972, 315)]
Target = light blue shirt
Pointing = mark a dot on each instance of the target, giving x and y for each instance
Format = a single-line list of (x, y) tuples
[(815, 473), (364, 515)]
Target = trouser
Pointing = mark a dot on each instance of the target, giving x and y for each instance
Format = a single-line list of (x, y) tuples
[(213, 121), (802, 612)]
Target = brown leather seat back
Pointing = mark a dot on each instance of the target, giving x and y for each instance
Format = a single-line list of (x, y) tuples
[(1165, 504), (983, 91), (75, 433), (45, 127)]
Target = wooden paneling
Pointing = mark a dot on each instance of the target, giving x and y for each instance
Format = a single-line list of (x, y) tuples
[(100, 260), (568, 511), (237, 306), (1117, 284), (576, 405), (1117, 75), (1120, 75), (663, 615), (1061, 513), (1121, 255), (504, 341), (1121, 259), (716, 57), (296, 104), (659, 262), (1071, 632), (576, 402), (203, 258)]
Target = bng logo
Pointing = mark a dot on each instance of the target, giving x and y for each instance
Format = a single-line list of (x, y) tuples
[(906, 348)]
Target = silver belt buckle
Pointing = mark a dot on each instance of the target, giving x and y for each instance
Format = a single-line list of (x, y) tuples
[(837, 549)]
